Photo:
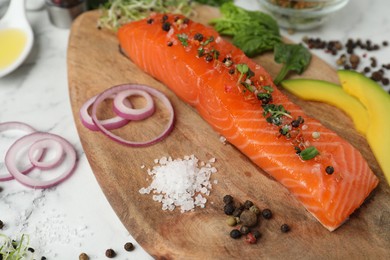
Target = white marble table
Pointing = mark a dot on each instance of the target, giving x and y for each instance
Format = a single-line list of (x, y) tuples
[(75, 216)]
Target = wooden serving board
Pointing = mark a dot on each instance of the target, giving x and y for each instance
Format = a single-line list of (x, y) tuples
[(95, 64)]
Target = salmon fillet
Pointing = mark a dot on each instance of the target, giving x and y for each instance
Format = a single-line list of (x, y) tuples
[(246, 108)]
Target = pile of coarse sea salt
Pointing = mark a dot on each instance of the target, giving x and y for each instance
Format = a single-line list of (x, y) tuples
[(180, 182)]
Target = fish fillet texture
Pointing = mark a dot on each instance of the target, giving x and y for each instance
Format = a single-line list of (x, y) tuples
[(202, 69)]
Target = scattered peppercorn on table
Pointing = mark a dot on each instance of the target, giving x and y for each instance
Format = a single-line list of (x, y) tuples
[(96, 208)]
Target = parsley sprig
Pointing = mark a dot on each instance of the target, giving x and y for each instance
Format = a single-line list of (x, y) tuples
[(274, 113)]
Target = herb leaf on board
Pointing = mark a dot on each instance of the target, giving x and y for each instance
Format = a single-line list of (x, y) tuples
[(295, 57), (254, 32)]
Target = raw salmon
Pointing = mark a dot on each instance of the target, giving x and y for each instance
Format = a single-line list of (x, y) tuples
[(238, 98)]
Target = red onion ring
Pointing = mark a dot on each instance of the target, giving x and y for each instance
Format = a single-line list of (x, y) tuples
[(46, 144), (110, 124), (116, 89), (12, 153), (27, 166), (132, 113)]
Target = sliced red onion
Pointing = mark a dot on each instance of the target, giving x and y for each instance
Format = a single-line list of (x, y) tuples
[(47, 144), (110, 124), (12, 158), (116, 89), (26, 166), (124, 111)]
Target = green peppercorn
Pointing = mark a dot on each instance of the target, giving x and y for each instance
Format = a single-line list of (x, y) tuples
[(229, 209), (227, 199), (244, 230), (255, 209), (285, 228), (266, 213), (231, 221), (235, 234)]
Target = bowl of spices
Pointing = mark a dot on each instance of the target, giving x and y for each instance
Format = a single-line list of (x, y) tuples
[(302, 14)]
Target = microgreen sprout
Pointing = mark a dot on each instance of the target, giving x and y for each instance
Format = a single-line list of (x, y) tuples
[(183, 38), (14, 250), (274, 113), (244, 70)]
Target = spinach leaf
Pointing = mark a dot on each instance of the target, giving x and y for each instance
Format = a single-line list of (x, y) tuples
[(295, 57), (213, 2), (255, 41), (253, 31)]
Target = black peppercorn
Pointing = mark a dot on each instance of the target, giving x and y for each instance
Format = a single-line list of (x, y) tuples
[(235, 234), (266, 213), (248, 204), (169, 44), (165, 17), (256, 234), (237, 212), (31, 249), (227, 199), (209, 57), (285, 228), (43, 258), (110, 253), (198, 37), (129, 246), (166, 26), (229, 209), (149, 21), (232, 70), (244, 230), (329, 170), (1, 224)]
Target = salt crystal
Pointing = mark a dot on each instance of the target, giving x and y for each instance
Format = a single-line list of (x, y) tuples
[(179, 182)]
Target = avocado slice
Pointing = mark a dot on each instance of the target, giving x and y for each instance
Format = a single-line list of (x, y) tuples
[(377, 102), (332, 94)]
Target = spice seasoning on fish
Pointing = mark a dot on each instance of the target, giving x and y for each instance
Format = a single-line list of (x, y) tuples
[(166, 26), (329, 170)]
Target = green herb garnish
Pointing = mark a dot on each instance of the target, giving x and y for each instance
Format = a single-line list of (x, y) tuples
[(115, 13), (274, 113), (14, 250), (208, 41), (213, 2), (244, 71), (295, 57), (201, 51), (309, 153), (183, 38), (254, 32)]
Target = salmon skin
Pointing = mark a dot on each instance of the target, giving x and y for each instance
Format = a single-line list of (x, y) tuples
[(238, 99)]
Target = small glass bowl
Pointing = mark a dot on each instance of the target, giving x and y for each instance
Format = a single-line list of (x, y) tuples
[(302, 14)]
